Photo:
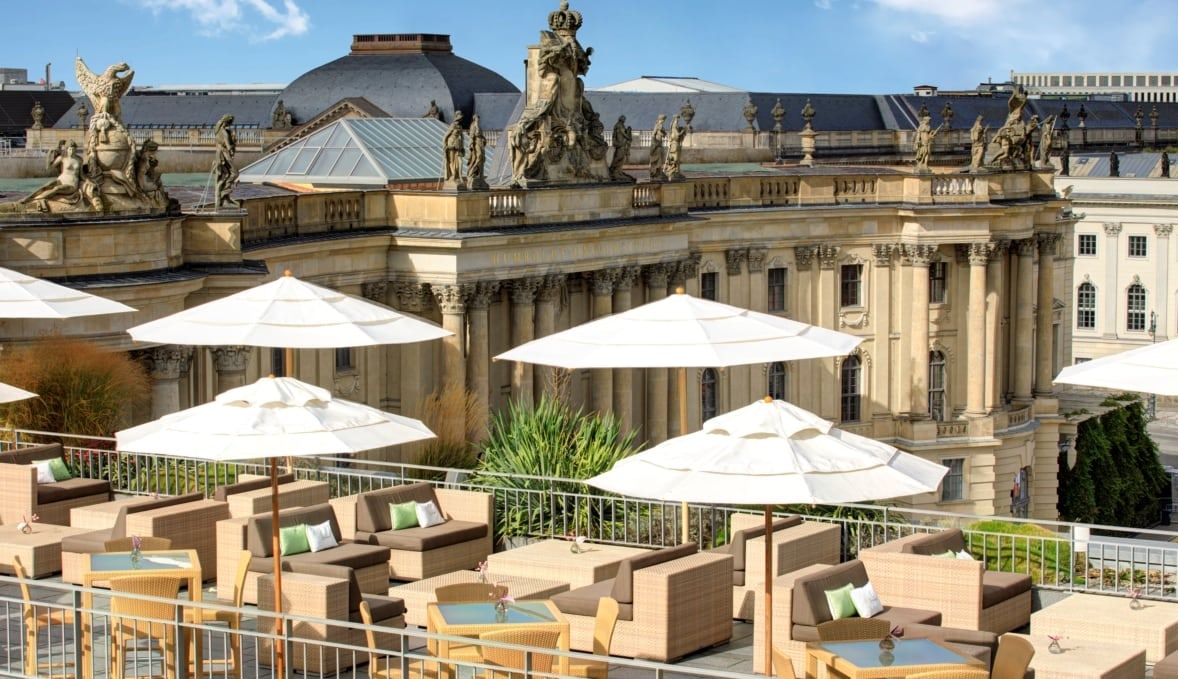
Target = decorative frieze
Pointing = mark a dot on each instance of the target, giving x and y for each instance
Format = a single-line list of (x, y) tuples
[(376, 291), (827, 255), (411, 295)]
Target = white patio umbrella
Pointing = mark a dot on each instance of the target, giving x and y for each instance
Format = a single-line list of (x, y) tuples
[(1152, 369), (23, 296), (273, 417), (771, 452), (9, 393), (681, 331)]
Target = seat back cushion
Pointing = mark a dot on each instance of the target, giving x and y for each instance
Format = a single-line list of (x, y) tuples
[(740, 536), (31, 454), (372, 508), (623, 589), (810, 606), (937, 543), (71, 489), (259, 535), (223, 492)]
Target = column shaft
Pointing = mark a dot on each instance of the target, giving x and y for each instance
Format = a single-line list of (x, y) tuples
[(975, 398), (523, 312), (656, 378), (919, 256), (995, 384), (1044, 354), (601, 381), (1021, 352)]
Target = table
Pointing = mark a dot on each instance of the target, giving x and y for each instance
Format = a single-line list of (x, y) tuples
[(863, 659), (39, 551), (421, 592), (1109, 619), (1083, 658), (553, 560), (97, 567), (471, 620)]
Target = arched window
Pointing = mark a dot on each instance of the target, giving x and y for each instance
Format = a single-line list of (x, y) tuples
[(777, 381), (936, 385), (1086, 306), (850, 378), (1135, 308), (707, 395)]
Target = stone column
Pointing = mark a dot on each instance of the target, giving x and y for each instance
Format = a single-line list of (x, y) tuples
[(1109, 320), (230, 364), (1044, 355), (451, 300), (601, 381), (547, 298), (918, 256), (827, 307), (1021, 351), (758, 292), (165, 365), (975, 395), (412, 297), (623, 378), (883, 380), (995, 310), (1162, 282), (801, 307), (523, 312), (376, 357), (478, 348), (655, 276)]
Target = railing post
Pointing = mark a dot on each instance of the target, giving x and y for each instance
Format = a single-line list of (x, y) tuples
[(287, 647), (79, 638), (181, 647)]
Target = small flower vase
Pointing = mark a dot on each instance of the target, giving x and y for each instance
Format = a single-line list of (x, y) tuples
[(1136, 604), (1054, 647), (136, 558), (500, 611), (575, 548), (25, 527), (887, 644)]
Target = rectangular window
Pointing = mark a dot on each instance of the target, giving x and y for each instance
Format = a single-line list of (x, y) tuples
[(343, 360), (1054, 81), (776, 291), (1135, 314), (937, 272), (1086, 306), (851, 285), (1141, 81), (1067, 81), (1104, 81), (1137, 246), (1116, 81), (1087, 245), (1165, 81), (1153, 81), (1091, 81), (953, 485), (707, 285)]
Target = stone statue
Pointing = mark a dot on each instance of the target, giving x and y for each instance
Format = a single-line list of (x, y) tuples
[(476, 162), (433, 111), (105, 91), (453, 146), (977, 141), (922, 143), (83, 114), (281, 117), (687, 113), (1046, 137), (147, 173), (224, 169), (1165, 164), (1114, 164), (808, 114), (1011, 139), (69, 186), (38, 113), (674, 169), (750, 114), (622, 138), (658, 152)]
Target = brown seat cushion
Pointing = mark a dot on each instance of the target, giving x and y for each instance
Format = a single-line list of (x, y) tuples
[(31, 454), (382, 608), (372, 508), (224, 492), (809, 592), (893, 614), (70, 489), (350, 554), (998, 587), (623, 589), (420, 539), (937, 543), (1167, 667), (259, 536), (583, 600)]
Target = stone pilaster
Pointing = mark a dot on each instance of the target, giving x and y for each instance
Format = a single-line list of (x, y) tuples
[(1109, 319), (478, 359), (523, 330), (547, 299), (623, 381), (601, 381), (756, 259), (1162, 278), (917, 256), (1044, 356), (413, 373), (1021, 349), (655, 276), (996, 305), (230, 364), (451, 300), (975, 395), (884, 375)]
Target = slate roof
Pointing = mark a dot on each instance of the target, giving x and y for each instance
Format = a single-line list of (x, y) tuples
[(16, 109), (1130, 165), (249, 110)]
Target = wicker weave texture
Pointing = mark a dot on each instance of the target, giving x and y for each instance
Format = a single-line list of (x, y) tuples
[(301, 493), (782, 621), (1083, 659), (192, 525), (795, 547), (421, 592), (1109, 619)]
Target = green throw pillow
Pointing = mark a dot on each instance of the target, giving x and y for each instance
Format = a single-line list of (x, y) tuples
[(293, 540), (404, 515), (840, 601), (61, 472), (949, 554)]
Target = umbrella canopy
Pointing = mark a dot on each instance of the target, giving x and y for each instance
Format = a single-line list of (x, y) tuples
[(681, 331), (289, 313), (9, 393), (771, 452), (24, 296), (1152, 369), (273, 417)]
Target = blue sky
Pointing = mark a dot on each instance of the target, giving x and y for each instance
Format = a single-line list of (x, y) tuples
[(843, 46)]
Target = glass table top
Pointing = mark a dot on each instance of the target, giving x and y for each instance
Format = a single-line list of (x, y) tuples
[(482, 613), (866, 654), (121, 561)]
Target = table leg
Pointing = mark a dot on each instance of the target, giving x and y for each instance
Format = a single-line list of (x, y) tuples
[(565, 644)]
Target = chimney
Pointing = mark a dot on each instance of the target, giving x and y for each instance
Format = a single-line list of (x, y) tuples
[(47, 80)]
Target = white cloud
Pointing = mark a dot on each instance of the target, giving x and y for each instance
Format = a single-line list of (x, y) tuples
[(957, 12), (920, 36), (258, 19), (822, 4)]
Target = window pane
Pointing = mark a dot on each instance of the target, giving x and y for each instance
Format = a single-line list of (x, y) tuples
[(1135, 318), (936, 385), (937, 272), (1138, 246), (850, 386), (777, 381), (776, 292), (1086, 306), (707, 285), (343, 359), (953, 486), (707, 394), (851, 285), (1087, 244), (278, 362)]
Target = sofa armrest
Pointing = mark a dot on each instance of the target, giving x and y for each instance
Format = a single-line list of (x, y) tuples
[(18, 487), (466, 505), (682, 605), (951, 586), (795, 547)]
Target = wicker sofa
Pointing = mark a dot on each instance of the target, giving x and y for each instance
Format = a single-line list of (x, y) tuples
[(52, 502), (187, 520), (254, 494), (905, 572), (672, 602), (461, 542)]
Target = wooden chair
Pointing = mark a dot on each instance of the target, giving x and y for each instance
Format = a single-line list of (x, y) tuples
[(1012, 658), (389, 666), (37, 618), (137, 621), (953, 673), (466, 591), (147, 543), (603, 634), (782, 665), (854, 629), (232, 619), (514, 658)]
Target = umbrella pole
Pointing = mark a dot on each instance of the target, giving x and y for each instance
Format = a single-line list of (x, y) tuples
[(768, 591), (683, 432), (287, 371), (280, 644)]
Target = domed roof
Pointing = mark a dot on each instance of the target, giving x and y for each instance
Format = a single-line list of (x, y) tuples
[(401, 74)]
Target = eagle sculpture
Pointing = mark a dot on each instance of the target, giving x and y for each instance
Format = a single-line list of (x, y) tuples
[(107, 89)]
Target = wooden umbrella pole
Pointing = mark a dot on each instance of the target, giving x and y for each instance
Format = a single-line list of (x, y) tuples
[(768, 617), (280, 643), (683, 432), (287, 371)]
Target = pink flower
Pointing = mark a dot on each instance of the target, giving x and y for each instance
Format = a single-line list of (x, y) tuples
[(482, 567), (1054, 638), (897, 631), (1134, 593), (580, 539), (135, 542)]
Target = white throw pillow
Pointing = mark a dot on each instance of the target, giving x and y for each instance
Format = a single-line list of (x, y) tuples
[(44, 472), (428, 514), (965, 556), (866, 601), (320, 537)]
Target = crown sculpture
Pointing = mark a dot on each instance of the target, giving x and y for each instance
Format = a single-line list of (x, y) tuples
[(110, 174), (559, 138)]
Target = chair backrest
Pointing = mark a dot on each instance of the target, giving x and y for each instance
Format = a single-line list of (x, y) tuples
[(853, 629), (27, 598), (147, 542), (374, 670), (151, 618), (1012, 658), (512, 658), (604, 624), (782, 665), (243, 567), (465, 592), (953, 673)]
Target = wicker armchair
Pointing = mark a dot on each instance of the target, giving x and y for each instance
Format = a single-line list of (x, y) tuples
[(516, 658), (466, 591), (389, 666), (231, 618), (1013, 657), (782, 665), (37, 618), (136, 621), (953, 673)]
